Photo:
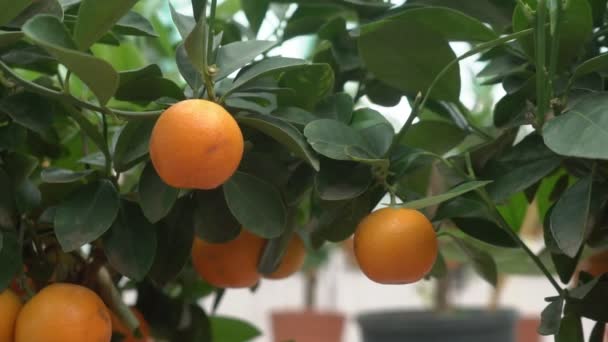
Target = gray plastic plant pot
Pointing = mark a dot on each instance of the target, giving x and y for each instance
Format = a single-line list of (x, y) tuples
[(427, 326)]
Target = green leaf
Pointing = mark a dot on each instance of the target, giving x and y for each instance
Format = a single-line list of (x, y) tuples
[(336, 140), (196, 46), (175, 235), (227, 329), (551, 317), (186, 69), (155, 197), (569, 217), (295, 116), (11, 137), (7, 203), (452, 25), (483, 263), (19, 166), (59, 175), (32, 112), (485, 230), (132, 144), (255, 10), (9, 38), (185, 24), (27, 196), (571, 329), (38, 7), (422, 135), (339, 219), (234, 56), (134, 24), (145, 85), (576, 25), (284, 133), (408, 56), (213, 220), (339, 180), (256, 204), (338, 106), (520, 167), (582, 131), (95, 18), (374, 127), (11, 9), (10, 258), (496, 13), (267, 67), (595, 64), (48, 32), (454, 192), (310, 84), (130, 244), (86, 215)]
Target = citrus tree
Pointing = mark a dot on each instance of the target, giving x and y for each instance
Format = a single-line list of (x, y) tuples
[(179, 168)]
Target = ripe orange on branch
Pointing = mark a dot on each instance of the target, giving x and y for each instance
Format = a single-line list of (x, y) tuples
[(395, 246), (10, 305), (196, 144), (232, 264), (292, 260), (64, 313)]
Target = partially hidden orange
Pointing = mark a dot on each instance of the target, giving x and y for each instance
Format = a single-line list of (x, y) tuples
[(64, 313), (395, 246), (10, 305), (196, 144), (292, 261), (231, 264)]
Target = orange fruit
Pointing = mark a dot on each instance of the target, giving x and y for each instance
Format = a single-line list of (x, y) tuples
[(596, 264), (229, 264), (292, 261), (64, 313), (395, 246), (121, 328), (10, 305), (196, 144)]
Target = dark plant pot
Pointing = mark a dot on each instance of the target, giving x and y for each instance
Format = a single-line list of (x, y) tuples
[(527, 330), (307, 326), (426, 326)]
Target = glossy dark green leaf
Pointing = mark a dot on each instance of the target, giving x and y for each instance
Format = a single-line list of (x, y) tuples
[(408, 56), (255, 10), (37, 7), (186, 69), (10, 258), (96, 18), (11, 9), (130, 244), (175, 234), (520, 167), (234, 56), (571, 329), (86, 215), (338, 180), (339, 219), (196, 45), (563, 134), (32, 112), (256, 204), (59, 175), (132, 144), (19, 166), (145, 85), (440, 268), (284, 133), (336, 140), (12, 136), (485, 230), (296, 116), (212, 218), (421, 136), (8, 38), (198, 328), (310, 84), (551, 317), (597, 334), (453, 192), (452, 25), (275, 249), (482, 261), (185, 24), (570, 215), (576, 25), (338, 106), (134, 24), (227, 329), (375, 128), (267, 67), (49, 33), (27, 196), (90, 130), (155, 197), (496, 13), (7, 202)]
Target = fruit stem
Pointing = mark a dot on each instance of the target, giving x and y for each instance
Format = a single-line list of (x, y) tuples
[(541, 76)]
